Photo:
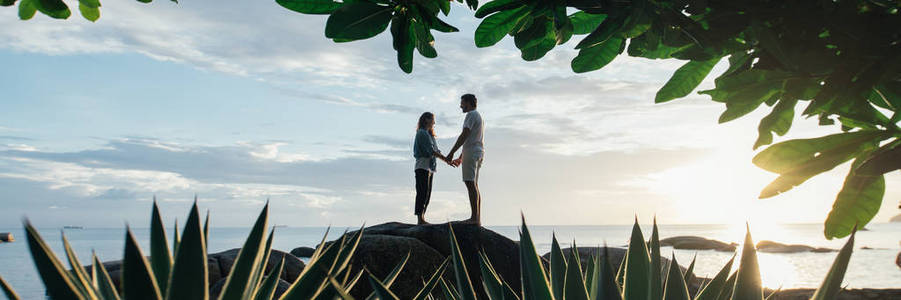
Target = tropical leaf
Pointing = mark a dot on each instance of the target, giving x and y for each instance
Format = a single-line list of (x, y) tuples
[(88, 12), (685, 80), (239, 284), (798, 160), (597, 56), (493, 28), (856, 204), (748, 285), (189, 271), (496, 6), (358, 20), (832, 284), (609, 28), (27, 9), (778, 121), (585, 23), (56, 9), (314, 7), (404, 42)]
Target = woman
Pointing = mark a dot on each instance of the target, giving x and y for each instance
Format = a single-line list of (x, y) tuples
[(425, 150)]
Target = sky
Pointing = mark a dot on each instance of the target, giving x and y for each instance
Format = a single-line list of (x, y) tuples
[(239, 103)]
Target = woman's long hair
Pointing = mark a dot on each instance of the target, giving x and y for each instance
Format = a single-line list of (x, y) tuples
[(424, 121)]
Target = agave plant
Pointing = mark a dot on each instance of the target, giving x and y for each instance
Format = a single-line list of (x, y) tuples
[(641, 275)]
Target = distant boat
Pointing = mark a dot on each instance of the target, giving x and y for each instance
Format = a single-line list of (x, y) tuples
[(279, 226), (73, 227)]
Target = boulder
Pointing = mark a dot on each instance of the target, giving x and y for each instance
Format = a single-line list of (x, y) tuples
[(6, 237), (697, 243), (776, 247), (219, 264), (303, 252), (383, 246), (898, 260), (280, 289)]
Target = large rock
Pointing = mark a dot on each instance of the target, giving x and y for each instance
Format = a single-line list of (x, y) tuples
[(219, 264), (383, 246), (775, 247), (6, 237), (303, 251), (898, 260), (697, 243)]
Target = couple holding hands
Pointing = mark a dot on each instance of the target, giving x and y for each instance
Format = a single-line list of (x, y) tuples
[(425, 150)]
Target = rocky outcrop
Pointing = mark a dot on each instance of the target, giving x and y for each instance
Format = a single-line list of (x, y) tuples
[(848, 294), (303, 252), (898, 260), (219, 264), (383, 246), (775, 247), (6, 237), (697, 243)]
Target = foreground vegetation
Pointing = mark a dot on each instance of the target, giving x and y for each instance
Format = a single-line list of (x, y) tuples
[(328, 275)]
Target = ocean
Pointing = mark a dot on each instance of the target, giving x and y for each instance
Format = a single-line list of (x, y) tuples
[(869, 268)]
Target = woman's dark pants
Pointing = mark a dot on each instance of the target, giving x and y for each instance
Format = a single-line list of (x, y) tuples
[(423, 190)]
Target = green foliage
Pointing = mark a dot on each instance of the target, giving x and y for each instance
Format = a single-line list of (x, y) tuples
[(327, 274)]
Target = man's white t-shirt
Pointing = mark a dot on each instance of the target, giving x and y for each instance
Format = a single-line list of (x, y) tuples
[(474, 143)]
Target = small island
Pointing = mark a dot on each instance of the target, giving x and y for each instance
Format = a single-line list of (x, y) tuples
[(6, 237)]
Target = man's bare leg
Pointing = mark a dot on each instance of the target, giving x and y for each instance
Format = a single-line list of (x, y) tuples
[(420, 220), (475, 202)]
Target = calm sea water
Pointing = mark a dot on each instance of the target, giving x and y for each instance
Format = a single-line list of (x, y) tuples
[(869, 268)]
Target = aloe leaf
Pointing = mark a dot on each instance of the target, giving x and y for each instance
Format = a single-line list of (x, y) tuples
[(747, 283), (604, 280), (353, 282), (637, 283), (260, 271), (380, 289), (656, 266), (56, 279), (728, 287), (558, 268), (267, 288), (675, 284), (534, 280), (773, 294), (832, 283), (430, 285), (79, 276), (574, 283), (319, 249), (447, 291), (464, 285), (206, 228), (347, 252), (490, 281), (175, 237), (389, 280), (189, 272), (715, 286), (314, 275), (689, 273), (239, 283), (7, 290), (589, 271), (621, 270), (104, 283), (137, 278), (160, 257)]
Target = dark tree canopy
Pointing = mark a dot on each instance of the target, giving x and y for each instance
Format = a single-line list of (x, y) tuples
[(839, 59)]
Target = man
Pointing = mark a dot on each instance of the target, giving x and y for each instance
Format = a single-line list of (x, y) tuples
[(473, 151)]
